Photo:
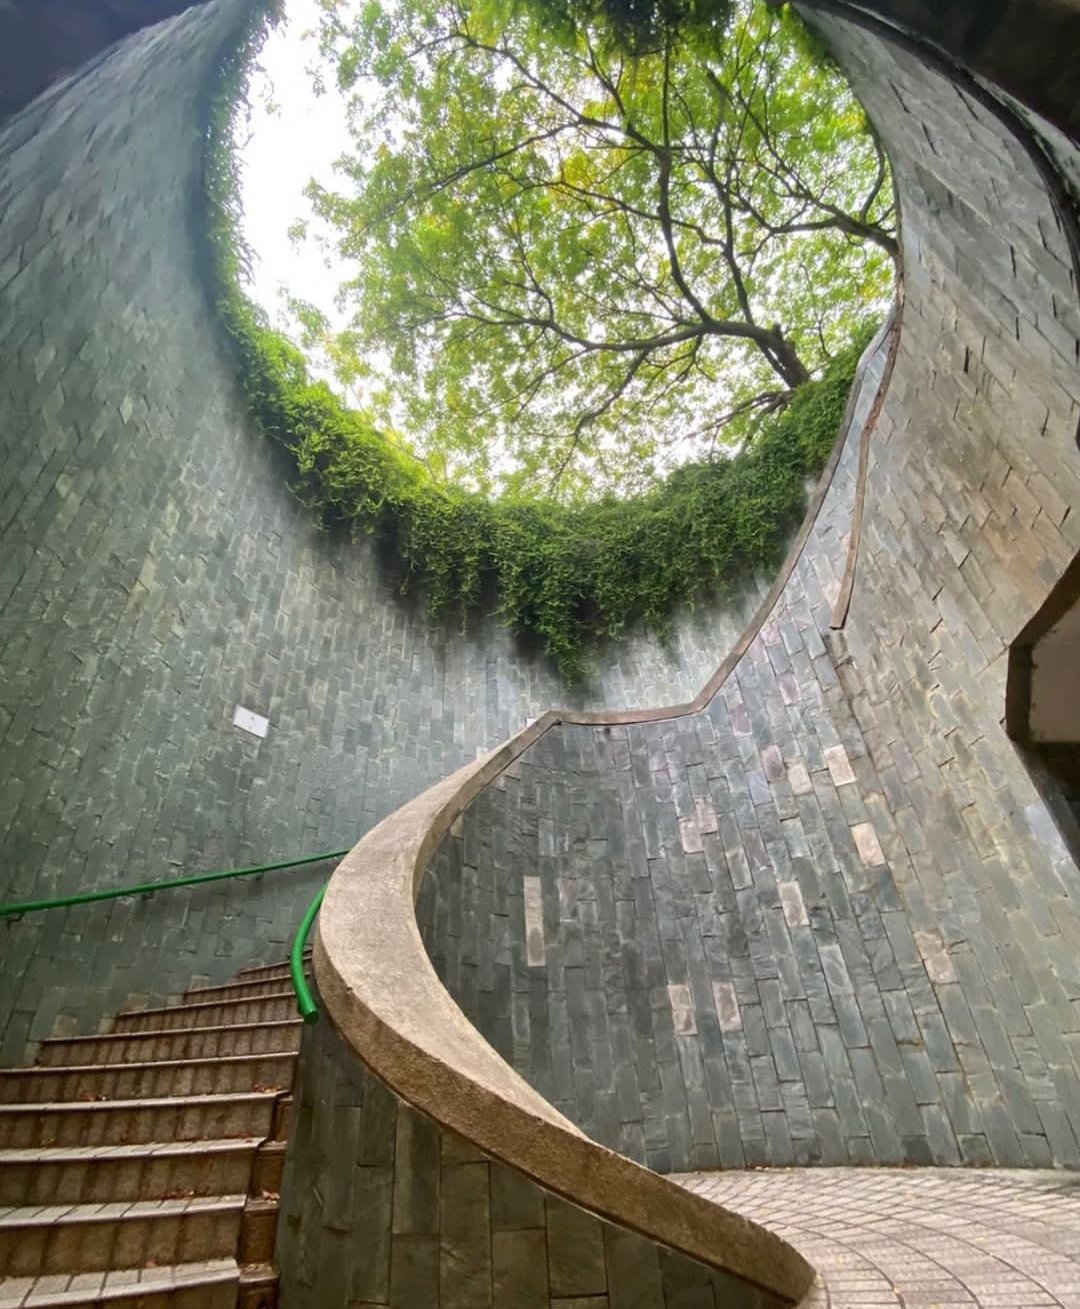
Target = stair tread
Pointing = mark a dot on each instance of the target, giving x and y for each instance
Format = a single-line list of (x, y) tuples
[(59, 1154), (207, 994), (53, 1070), (258, 1273), (176, 1102), (208, 1004), (169, 1031), (78, 1288), (116, 1210)]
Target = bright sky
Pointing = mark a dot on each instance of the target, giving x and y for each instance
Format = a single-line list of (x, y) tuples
[(286, 147)]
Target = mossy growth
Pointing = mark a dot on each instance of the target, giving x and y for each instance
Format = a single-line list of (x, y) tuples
[(571, 576)]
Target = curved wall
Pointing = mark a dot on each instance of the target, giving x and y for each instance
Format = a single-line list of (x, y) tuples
[(819, 915), (828, 919), (155, 572), (44, 40)]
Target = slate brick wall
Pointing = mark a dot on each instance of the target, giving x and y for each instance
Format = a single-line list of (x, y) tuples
[(383, 1207), (829, 919), (155, 572)]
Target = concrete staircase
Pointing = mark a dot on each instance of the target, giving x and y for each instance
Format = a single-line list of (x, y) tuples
[(140, 1167)]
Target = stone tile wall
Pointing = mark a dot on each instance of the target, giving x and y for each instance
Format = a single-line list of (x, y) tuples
[(155, 572), (1030, 47), (828, 919), (43, 40), (381, 1206)]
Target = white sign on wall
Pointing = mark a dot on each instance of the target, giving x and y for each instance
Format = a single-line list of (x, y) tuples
[(250, 721)]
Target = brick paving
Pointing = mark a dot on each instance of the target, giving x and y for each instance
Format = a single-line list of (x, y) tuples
[(883, 1237)]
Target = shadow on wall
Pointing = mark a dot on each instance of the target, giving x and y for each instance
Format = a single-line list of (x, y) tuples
[(1030, 48), (42, 41)]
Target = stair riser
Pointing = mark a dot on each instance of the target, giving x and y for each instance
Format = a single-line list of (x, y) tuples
[(141, 1048), (107, 1180), (127, 1082), (259, 1295), (129, 1243), (212, 1015), (88, 1125), (257, 1233)]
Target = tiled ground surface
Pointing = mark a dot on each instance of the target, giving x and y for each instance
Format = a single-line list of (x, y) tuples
[(882, 1238)]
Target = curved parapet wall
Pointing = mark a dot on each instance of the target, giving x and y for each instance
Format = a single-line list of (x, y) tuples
[(821, 915), (388, 1006), (459, 1127), (428, 1218)]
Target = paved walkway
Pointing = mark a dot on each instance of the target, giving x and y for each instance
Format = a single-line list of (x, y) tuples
[(925, 1238)]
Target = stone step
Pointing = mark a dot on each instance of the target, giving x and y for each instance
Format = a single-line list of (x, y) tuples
[(127, 1122), (126, 1081), (104, 1174), (268, 973), (283, 1107), (269, 1169), (258, 1230), (260, 1009), (174, 1044), (237, 990), (213, 1284), (96, 1238)]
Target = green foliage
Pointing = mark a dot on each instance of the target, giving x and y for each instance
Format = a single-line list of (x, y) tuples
[(573, 576), (567, 270), (638, 26)]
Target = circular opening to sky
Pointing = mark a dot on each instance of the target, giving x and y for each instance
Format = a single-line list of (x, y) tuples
[(547, 268)]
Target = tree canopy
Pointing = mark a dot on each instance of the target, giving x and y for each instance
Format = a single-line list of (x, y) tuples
[(569, 573), (571, 267)]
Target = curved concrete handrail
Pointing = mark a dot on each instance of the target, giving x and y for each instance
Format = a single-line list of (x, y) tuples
[(378, 986), (381, 991)]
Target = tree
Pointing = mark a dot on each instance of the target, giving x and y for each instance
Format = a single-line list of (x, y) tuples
[(573, 267)]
